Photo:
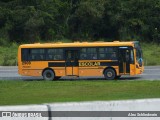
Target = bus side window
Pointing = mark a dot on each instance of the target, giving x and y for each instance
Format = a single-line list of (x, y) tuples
[(42, 57), (69, 55), (127, 55), (113, 56), (25, 54), (102, 56), (33, 57), (83, 56), (94, 56), (38, 57), (57, 57), (49, 57)]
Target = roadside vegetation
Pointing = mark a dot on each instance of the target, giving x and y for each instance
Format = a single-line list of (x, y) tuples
[(151, 52), (8, 54), (34, 20), (37, 92)]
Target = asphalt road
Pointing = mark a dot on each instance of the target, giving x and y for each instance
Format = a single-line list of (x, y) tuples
[(11, 73)]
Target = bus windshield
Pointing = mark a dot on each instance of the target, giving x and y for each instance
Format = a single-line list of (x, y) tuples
[(139, 55)]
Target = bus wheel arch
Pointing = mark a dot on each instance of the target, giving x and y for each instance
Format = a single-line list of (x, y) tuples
[(48, 74), (109, 73)]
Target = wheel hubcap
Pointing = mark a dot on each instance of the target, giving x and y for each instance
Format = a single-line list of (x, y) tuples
[(109, 74), (48, 75)]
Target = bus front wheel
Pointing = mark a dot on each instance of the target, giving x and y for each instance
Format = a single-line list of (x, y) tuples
[(109, 74), (48, 75)]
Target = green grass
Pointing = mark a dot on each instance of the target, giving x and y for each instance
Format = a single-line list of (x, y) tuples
[(151, 53), (37, 92), (8, 55)]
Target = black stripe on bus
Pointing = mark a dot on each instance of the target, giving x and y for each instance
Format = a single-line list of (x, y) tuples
[(63, 64), (108, 63), (56, 64)]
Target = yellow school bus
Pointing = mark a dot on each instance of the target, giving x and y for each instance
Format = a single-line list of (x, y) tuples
[(54, 60)]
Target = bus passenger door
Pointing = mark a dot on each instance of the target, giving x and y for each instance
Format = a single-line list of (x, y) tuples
[(124, 60), (71, 62)]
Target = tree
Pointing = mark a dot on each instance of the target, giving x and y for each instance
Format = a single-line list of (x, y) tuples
[(33, 20), (85, 18)]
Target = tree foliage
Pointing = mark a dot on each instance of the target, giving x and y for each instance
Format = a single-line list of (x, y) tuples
[(33, 20)]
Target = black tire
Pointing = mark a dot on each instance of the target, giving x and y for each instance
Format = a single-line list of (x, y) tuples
[(109, 74), (48, 75)]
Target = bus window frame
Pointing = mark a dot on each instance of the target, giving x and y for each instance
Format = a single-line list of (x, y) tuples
[(107, 55), (29, 55)]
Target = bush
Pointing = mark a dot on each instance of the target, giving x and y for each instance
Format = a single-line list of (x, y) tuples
[(8, 55)]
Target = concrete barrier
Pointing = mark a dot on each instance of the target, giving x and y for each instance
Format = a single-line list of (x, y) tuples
[(145, 109), (118, 109)]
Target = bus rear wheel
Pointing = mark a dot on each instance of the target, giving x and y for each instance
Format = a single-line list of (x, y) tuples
[(109, 74), (48, 75)]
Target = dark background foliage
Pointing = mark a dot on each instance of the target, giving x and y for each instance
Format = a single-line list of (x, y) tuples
[(34, 20)]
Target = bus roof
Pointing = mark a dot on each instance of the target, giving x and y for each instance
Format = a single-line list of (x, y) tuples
[(78, 44)]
